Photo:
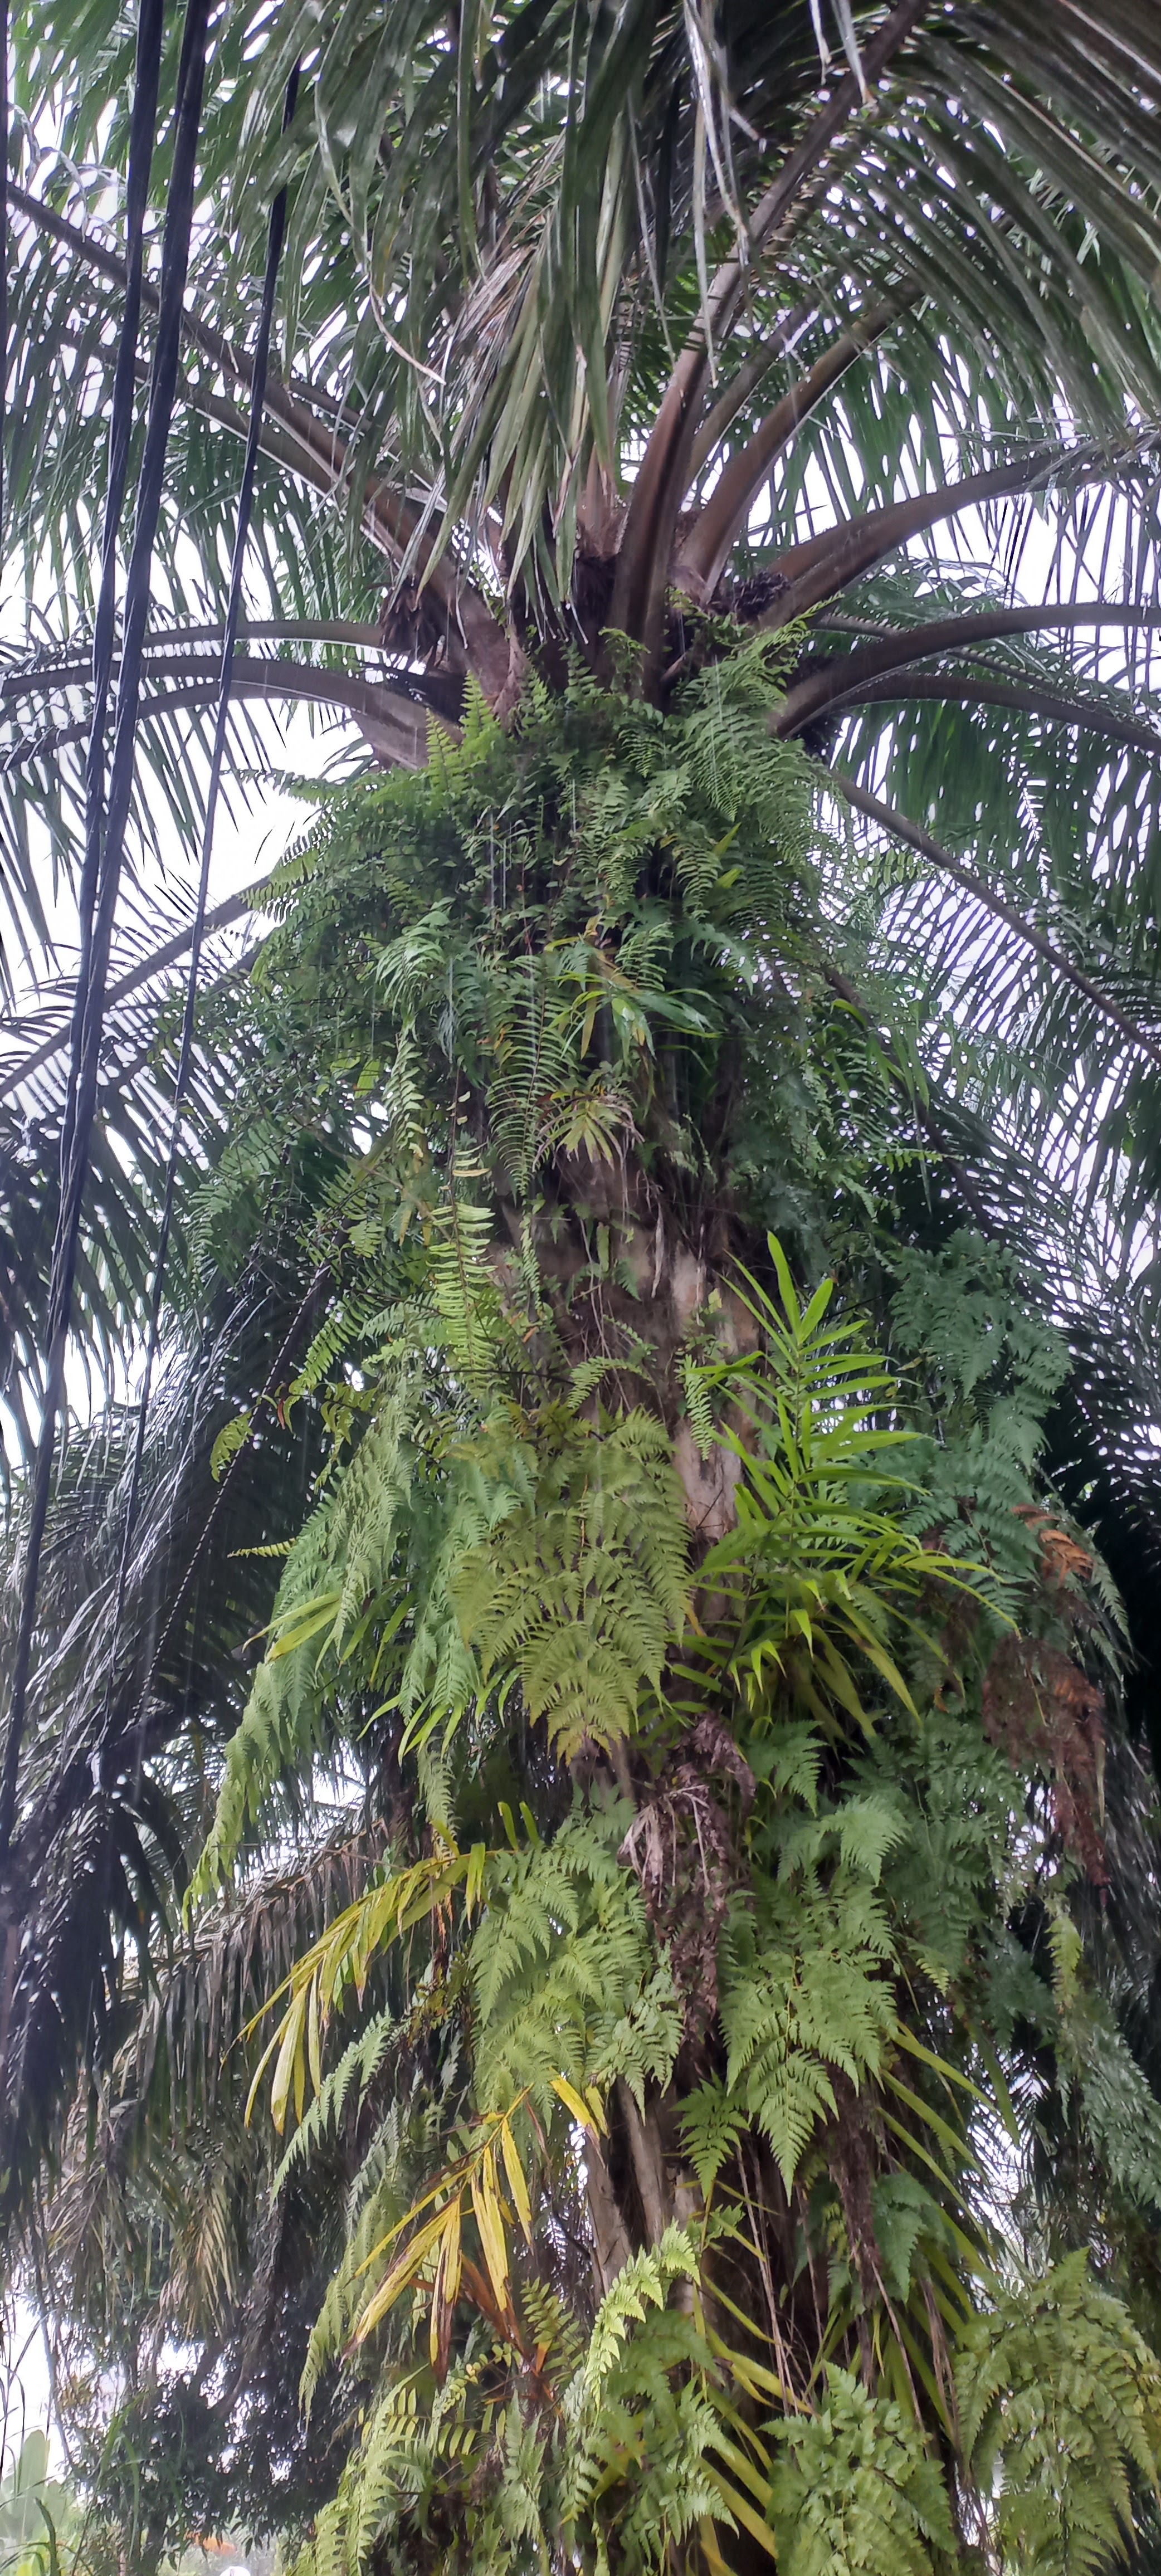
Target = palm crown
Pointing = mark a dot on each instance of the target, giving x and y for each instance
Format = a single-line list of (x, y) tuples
[(589, 323)]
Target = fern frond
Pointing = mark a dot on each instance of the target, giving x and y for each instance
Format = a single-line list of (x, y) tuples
[(854, 2488), (1060, 2407)]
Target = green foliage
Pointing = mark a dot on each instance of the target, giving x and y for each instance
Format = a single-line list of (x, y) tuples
[(641, 2284), (964, 1320), (675, 2081), (564, 1972), (961, 1844), (576, 1593), (537, 1551), (594, 939), (1060, 2406), (805, 1993), (985, 1367), (854, 2488), (631, 2419), (1120, 2110), (821, 1564)]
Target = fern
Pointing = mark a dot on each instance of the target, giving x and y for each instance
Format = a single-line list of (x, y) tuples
[(639, 2047), (854, 2489), (712, 2124), (1060, 2407), (697, 1403), (560, 2339), (579, 1590), (1121, 2113), (641, 2414), (804, 1997), (350, 2079), (820, 1569), (590, 2005), (644, 2283), (403, 2143), (745, 1892)]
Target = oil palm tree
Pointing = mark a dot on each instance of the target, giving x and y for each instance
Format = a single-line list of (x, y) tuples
[(674, 425)]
